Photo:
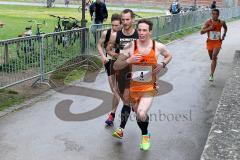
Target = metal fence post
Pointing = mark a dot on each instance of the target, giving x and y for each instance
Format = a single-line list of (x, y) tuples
[(83, 25), (41, 58), (158, 27), (6, 53), (88, 40)]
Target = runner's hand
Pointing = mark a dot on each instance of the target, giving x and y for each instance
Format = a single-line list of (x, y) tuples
[(110, 51), (134, 58), (109, 47), (210, 28), (157, 69), (104, 60), (113, 54), (223, 37)]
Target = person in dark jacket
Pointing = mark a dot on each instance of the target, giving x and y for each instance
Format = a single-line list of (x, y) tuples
[(98, 12), (213, 5)]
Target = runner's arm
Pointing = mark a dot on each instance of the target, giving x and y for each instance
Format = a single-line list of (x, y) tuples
[(165, 53), (206, 28), (110, 45), (105, 12), (120, 62), (126, 57), (100, 48), (91, 9), (225, 29), (161, 49)]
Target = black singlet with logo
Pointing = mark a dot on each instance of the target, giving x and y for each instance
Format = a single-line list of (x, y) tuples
[(122, 76)]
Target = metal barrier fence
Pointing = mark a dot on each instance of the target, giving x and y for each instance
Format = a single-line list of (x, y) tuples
[(164, 25), (63, 47), (95, 34), (19, 60), (32, 57), (26, 58), (173, 23)]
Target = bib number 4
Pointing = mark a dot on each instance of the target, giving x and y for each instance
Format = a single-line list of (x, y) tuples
[(142, 73)]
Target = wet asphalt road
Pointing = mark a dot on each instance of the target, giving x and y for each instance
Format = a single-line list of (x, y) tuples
[(180, 119)]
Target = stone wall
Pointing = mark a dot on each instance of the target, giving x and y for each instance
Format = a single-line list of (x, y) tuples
[(223, 139)]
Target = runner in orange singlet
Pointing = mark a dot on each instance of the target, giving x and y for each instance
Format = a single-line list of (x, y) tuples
[(143, 82), (213, 28), (142, 55)]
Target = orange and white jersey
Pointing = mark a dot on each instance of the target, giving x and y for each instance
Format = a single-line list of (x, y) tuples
[(215, 34), (143, 79)]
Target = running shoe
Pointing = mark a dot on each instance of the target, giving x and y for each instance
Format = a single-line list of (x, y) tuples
[(109, 120), (211, 78), (145, 143), (118, 133)]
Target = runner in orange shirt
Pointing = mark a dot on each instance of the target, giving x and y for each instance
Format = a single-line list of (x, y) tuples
[(142, 55), (213, 28)]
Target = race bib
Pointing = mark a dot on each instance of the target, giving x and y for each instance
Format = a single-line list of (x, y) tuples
[(215, 35), (141, 73)]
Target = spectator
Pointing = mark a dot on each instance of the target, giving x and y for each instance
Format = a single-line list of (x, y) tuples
[(98, 9), (66, 2), (213, 5), (50, 3), (175, 7)]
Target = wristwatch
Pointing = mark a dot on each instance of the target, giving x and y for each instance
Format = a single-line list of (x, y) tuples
[(164, 64)]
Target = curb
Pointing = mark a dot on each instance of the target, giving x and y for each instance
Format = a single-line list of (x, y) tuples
[(27, 103), (223, 141)]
